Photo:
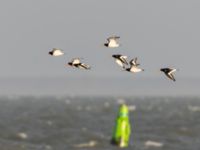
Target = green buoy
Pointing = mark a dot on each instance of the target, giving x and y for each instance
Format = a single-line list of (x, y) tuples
[(122, 130)]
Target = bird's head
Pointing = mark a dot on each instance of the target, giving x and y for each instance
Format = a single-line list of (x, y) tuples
[(106, 44), (114, 56), (127, 69), (70, 63), (50, 53), (163, 69)]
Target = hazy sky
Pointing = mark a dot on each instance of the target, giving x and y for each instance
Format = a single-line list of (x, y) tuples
[(159, 33)]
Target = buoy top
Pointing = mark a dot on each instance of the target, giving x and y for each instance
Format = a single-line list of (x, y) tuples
[(123, 111)]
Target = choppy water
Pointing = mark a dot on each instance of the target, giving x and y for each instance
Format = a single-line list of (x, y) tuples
[(50, 123)]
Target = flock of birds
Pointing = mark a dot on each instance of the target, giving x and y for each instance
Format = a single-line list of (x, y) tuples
[(121, 60)]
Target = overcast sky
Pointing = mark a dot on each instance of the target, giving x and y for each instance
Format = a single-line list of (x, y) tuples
[(159, 33)]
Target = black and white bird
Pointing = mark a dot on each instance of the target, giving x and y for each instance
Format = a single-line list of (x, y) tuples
[(134, 66), (56, 52), (120, 60), (112, 42), (74, 62), (77, 63), (133, 62), (134, 69), (168, 72)]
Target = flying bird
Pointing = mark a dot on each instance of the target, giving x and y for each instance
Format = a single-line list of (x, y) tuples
[(56, 52), (134, 66), (120, 60), (134, 69), (168, 72), (75, 62), (112, 42)]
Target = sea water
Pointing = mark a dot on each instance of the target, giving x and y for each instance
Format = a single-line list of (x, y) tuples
[(61, 123)]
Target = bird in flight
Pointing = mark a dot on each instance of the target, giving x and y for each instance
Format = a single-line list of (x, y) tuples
[(134, 66), (168, 72), (75, 62), (56, 52), (134, 69), (112, 42)]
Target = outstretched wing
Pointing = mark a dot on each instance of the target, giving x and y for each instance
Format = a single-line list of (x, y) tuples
[(170, 76), (84, 66), (123, 59), (113, 38), (133, 62)]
